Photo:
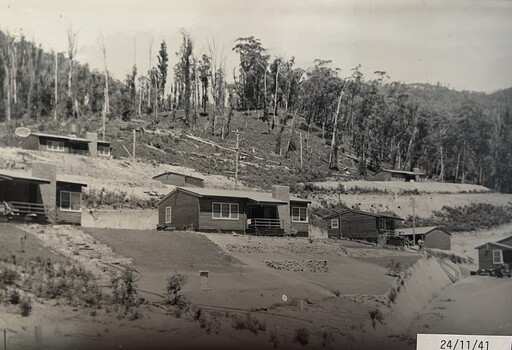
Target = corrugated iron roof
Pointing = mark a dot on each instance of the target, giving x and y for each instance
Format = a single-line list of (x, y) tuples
[(419, 230), (400, 172), (175, 173), (258, 197), (499, 245), (12, 175), (377, 215)]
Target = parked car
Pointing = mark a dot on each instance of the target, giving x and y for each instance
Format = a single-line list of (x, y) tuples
[(502, 271)]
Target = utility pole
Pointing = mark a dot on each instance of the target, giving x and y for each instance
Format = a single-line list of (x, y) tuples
[(133, 151), (237, 157), (413, 221), (56, 83), (301, 150)]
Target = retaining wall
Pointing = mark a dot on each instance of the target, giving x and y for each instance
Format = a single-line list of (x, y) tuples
[(120, 219)]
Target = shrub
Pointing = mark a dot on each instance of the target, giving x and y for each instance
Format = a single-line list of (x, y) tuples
[(174, 285), (25, 307), (336, 292), (394, 268), (248, 322), (273, 337), (376, 315), (392, 294), (14, 297), (8, 276), (209, 323), (125, 290), (301, 336), (327, 339)]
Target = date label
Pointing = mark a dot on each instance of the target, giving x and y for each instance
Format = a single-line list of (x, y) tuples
[(463, 342)]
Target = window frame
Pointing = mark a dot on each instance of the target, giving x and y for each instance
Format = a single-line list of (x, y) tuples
[(102, 153), (337, 221), (233, 214), (55, 149), (382, 224), (71, 193), (294, 217), (168, 215), (501, 256)]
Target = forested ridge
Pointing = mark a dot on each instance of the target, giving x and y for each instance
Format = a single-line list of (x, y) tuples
[(455, 136)]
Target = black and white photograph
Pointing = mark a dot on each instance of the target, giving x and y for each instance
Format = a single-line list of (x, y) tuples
[(256, 174)]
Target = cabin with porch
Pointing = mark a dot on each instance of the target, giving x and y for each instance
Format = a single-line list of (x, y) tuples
[(177, 179), (357, 224), (433, 236), (492, 254), (88, 146), (214, 210), (42, 196), (398, 175)]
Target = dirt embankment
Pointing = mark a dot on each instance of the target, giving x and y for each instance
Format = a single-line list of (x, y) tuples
[(417, 286)]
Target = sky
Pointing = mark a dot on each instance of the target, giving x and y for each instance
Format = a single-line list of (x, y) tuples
[(463, 44)]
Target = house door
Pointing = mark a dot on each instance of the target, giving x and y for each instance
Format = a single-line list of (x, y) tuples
[(255, 212)]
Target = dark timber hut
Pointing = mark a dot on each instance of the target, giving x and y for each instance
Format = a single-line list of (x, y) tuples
[(42, 196), (433, 236), (491, 254), (260, 213), (357, 224), (88, 146)]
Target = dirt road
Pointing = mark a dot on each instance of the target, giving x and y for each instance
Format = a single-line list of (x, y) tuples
[(474, 305)]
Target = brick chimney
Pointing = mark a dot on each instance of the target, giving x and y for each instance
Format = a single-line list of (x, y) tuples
[(93, 145), (282, 193), (48, 191)]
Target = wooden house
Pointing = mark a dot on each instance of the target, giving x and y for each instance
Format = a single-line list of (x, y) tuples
[(41, 196), (357, 224), (433, 236), (260, 213), (491, 254), (89, 146), (398, 175), (177, 179)]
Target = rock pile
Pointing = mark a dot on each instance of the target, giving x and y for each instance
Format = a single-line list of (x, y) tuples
[(299, 265), (299, 248)]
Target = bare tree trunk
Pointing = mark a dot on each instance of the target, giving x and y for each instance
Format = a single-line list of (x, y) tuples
[(275, 92), (457, 168), (442, 165), (56, 87), (463, 164), (333, 156)]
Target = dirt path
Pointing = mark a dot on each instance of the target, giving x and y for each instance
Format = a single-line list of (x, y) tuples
[(474, 305)]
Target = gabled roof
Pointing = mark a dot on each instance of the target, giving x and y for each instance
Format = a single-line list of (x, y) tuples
[(11, 175), (419, 230), (495, 244), (175, 173), (68, 138), (400, 172), (257, 197), (377, 215)]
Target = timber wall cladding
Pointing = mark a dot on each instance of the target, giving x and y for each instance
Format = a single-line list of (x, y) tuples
[(206, 222), (438, 239), (184, 212), (485, 258), (354, 225)]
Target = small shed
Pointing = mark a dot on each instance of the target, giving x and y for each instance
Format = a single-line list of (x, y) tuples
[(433, 236), (495, 253), (177, 179), (358, 224), (398, 175)]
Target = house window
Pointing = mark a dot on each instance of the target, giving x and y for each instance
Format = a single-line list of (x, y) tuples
[(497, 257), (71, 201), (103, 150), (335, 223), (382, 224), (53, 145), (225, 211), (168, 215), (299, 214)]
